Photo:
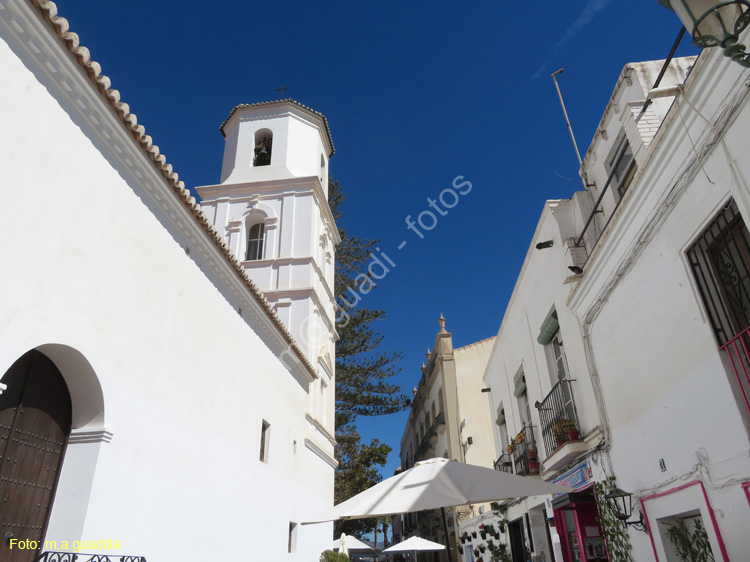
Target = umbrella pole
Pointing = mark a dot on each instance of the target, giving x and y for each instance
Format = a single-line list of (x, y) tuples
[(445, 534)]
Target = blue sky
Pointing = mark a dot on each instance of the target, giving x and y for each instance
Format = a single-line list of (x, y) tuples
[(416, 94)]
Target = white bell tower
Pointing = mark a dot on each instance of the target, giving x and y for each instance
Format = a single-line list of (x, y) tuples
[(272, 209)]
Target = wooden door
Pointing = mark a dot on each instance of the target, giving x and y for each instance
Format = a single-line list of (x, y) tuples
[(35, 418)]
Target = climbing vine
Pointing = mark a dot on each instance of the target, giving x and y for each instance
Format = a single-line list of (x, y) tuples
[(614, 530)]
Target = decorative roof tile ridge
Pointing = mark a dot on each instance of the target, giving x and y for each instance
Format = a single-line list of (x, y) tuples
[(286, 100), (103, 83)]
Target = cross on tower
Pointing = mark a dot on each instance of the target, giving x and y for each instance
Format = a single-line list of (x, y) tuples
[(281, 89)]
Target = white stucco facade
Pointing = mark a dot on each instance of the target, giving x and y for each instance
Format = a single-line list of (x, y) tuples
[(641, 317), (676, 418), (173, 360), (634, 305)]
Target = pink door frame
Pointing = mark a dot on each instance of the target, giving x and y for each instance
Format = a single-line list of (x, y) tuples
[(719, 538)]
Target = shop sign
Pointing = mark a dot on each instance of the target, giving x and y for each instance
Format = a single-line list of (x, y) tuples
[(576, 478)]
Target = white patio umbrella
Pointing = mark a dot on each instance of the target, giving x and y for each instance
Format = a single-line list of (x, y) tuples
[(415, 544), (345, 543), (437, 484)]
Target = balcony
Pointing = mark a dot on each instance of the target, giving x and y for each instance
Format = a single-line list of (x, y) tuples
[(440, 421), (524, 451), (738, 352), (433, 434), (560, 430), (504, 463)]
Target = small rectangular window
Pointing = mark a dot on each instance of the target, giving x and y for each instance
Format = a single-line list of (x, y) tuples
[(265, 431), (621, 164), (292, 537)]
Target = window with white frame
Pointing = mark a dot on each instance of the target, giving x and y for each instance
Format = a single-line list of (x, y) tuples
[(255, 242), (524, 409), (557, 360), (621, 165)]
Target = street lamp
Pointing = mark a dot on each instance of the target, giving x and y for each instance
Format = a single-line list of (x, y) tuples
[(714, 23), (623, 502)]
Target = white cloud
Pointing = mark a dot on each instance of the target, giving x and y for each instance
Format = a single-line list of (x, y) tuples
[(591, 8)]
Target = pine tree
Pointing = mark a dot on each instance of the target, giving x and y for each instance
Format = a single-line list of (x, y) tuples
[(362, 372)]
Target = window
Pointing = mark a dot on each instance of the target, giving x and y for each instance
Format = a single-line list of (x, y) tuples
[(524, 409), (292, 537), (556, 356), (622, 162), (263, 146), (265, 434), (255, 242), (719, 260)]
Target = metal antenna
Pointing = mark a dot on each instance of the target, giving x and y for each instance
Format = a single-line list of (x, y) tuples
[(567, 120), (281, 89)]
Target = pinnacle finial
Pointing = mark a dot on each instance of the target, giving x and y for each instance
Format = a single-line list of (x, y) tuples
[(441, 320), (428, 353)]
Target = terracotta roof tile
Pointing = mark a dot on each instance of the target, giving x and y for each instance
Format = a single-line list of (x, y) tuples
[(288, 100)]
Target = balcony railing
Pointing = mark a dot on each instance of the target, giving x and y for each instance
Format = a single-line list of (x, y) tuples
[(504, 463), (525, 456), (557, 412), (738, 351)]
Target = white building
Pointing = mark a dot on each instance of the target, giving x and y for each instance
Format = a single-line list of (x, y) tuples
[(627, 329), (448, 418), (663, 308), (154, 401)]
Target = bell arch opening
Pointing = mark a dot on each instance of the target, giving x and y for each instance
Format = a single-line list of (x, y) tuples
[(263, 147)]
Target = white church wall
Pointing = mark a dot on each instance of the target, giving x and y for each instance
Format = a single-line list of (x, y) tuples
[(172, 470)]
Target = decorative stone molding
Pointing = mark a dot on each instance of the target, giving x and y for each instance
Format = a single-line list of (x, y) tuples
[(78, 436), (333, 463)]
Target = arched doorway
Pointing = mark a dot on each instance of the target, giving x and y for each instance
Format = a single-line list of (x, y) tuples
[(35, 420)]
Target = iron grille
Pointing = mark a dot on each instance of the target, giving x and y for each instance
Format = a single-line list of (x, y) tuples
[(558, 416), (719, 260)]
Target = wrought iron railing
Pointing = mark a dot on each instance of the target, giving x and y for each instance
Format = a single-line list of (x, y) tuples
[(557, 413), (738, 352), (67, 556), (525, 456), (504, 463)]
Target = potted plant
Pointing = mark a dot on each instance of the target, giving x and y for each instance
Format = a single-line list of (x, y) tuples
[(482, 532), (490, 544), (510, 449), (460, 549), (476, 552), (474, 534), (564, 431), (520, 438), (482, 548), (533, 459)]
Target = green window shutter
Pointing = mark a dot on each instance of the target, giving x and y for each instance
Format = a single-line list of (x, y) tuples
[(519, 382), (549, 327), (500, 418)]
